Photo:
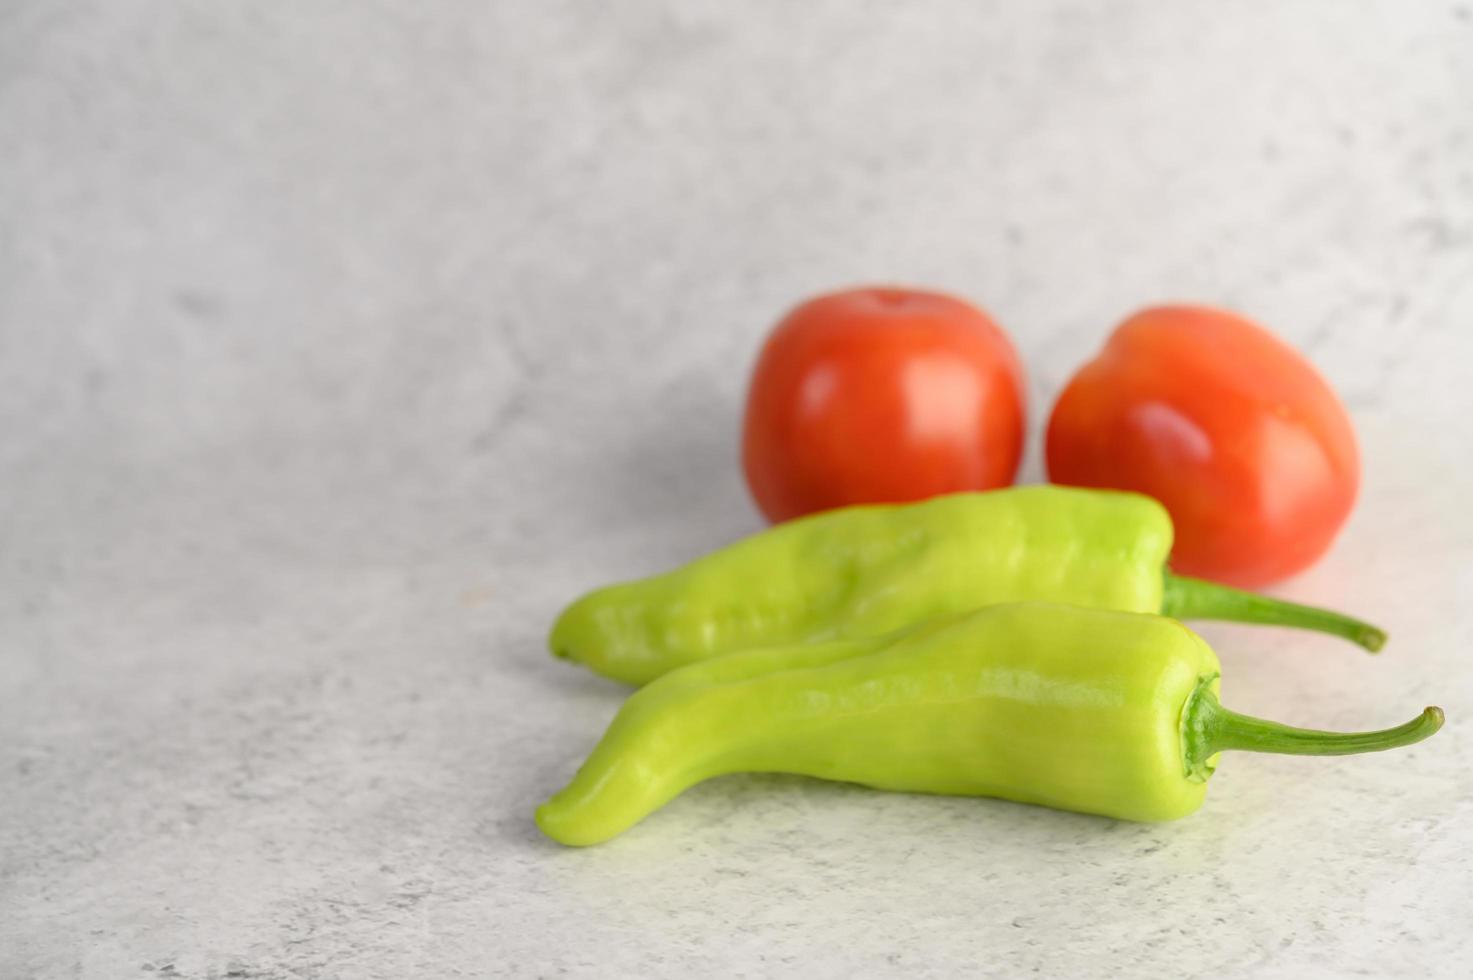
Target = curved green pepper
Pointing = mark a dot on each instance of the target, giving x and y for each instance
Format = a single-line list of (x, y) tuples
[(1080, 709), (863, 571)]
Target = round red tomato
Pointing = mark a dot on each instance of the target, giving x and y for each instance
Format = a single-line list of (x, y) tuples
[(1226, 425), (880, 395)]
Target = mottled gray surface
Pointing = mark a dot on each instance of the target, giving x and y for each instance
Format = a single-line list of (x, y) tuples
[(340, 343)]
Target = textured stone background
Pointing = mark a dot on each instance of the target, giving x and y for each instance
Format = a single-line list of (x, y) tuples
[(340, 343)]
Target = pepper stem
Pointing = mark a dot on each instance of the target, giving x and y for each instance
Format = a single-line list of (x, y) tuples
[(1193, 598), (1209, 728)]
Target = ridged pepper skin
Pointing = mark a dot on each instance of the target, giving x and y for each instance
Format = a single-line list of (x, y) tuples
[(1068, 708), (1080, 709), (868, 570)]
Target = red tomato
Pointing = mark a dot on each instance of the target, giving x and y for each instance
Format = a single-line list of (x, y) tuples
[(1226, 425), (878, 395)]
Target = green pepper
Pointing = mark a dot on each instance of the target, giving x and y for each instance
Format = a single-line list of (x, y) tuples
[(864, 571), (1080, 709)]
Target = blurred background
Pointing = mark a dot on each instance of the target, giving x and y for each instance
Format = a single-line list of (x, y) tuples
[(341, 343)]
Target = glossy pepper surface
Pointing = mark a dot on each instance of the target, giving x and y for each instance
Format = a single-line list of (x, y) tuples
[(1080, 709), (868, 570)]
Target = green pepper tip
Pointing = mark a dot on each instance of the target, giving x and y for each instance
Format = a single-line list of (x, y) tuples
[(1372, 638), (1209, 728), (1192, 598)]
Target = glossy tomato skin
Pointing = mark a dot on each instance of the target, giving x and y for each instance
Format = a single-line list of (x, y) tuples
[(881, 395), (1233, 430)]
